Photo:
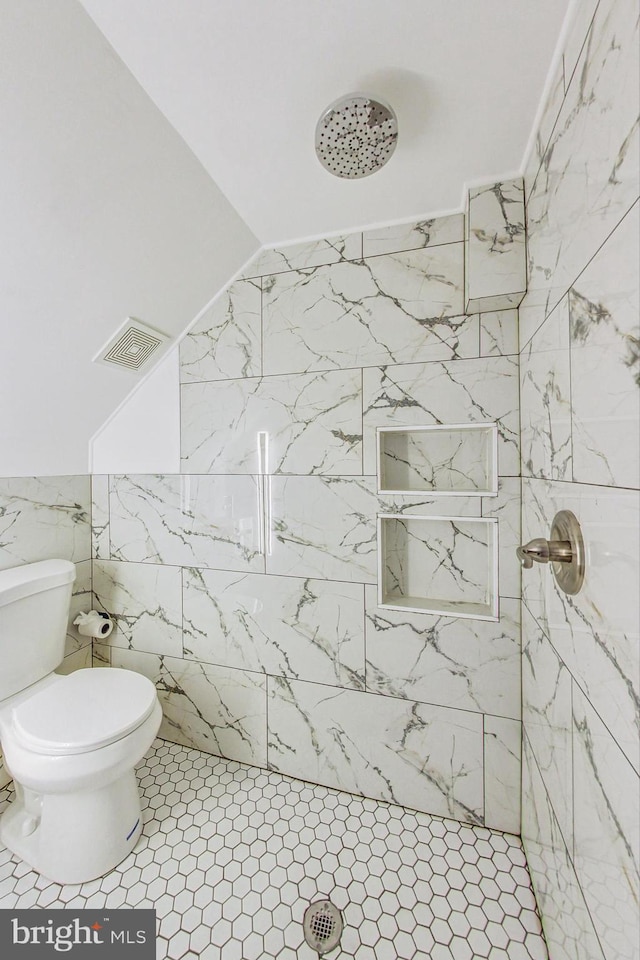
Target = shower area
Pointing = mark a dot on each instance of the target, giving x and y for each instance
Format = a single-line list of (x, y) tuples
[(366, 699)]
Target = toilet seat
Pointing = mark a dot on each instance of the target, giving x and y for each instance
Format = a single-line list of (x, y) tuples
[(83, 711)]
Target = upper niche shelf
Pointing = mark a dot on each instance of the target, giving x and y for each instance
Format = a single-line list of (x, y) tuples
[(442, 460)]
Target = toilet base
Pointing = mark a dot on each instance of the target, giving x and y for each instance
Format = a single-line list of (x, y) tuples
[(74, 837)]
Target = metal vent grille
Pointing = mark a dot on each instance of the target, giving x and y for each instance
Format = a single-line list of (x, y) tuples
[(132, 346)]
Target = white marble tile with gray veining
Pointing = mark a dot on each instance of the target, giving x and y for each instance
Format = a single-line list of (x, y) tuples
[(605, 362), (325, 527), (496, 265), (467, 664), (424, 503), (545, 128), (310, 423), (532, 313), (577, 34), (388, 309), (505, 507), (502, 773), (545, 398), (226, 340), (438, 560), (546, 715), (208, 707), (304, 629), (100, 654), (81, 602), (80, 659), (100, 539), (309, 253), (322, 527), (499, 333), (589, 175), (413, 236), (422, 756), (566, 921), (187, 521), (470, 391), (145, 601), (42, 518), (606, 832), (595, 632)]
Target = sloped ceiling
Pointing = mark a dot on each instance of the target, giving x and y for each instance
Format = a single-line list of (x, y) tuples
[(244, 82), (104, 213), (150, 145)]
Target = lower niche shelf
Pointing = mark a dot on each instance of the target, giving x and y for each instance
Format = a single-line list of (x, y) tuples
[(441, 565)]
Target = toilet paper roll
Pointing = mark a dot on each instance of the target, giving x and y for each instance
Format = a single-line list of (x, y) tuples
[(94, 624)]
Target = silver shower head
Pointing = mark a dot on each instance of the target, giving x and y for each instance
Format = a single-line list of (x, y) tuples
[(356, 136)]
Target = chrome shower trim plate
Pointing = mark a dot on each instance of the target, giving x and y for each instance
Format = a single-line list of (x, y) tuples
[(569, 576)]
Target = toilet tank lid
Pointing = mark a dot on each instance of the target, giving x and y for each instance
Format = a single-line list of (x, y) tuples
[(30, 578)]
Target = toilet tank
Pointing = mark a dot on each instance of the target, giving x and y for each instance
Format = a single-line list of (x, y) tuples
[(34, 613)]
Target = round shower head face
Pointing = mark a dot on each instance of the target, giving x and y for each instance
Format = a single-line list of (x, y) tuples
[(356, 136)]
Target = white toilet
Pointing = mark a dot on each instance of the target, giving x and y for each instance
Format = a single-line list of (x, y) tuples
[(70, 742)]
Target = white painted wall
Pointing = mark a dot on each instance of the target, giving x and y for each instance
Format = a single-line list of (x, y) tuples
[(105, 213), (143, 434)]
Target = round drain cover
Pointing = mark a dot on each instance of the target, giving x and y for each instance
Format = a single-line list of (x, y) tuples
[(322, 926)]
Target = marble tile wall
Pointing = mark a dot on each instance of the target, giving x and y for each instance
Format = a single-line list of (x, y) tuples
[(42, 518), (496, 274), (580, 422), (246, 586)]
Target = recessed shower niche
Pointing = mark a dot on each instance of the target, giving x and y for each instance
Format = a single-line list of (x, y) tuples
[(443, 460), (443, 565)]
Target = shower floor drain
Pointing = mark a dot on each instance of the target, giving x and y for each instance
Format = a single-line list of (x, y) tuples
[(322, 925)]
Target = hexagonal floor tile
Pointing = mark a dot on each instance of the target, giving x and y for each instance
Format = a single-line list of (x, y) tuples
[(231, 856)]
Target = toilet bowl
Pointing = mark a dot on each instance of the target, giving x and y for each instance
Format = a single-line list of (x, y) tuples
[(70, 742), (72, 745)]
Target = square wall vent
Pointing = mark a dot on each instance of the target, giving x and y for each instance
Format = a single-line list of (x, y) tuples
[(132, 346)]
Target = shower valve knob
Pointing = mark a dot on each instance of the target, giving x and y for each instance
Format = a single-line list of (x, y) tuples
[(543, 551), (564, 551)]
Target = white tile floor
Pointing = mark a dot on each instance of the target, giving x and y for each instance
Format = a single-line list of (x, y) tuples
[(231, 856)]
